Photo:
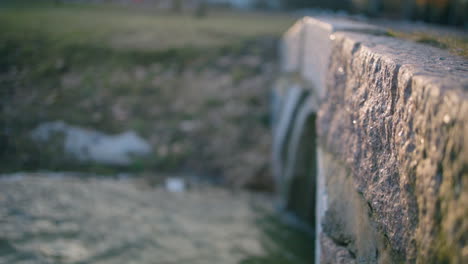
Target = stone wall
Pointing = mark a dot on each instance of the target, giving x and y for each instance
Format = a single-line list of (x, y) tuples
[(375, 127)]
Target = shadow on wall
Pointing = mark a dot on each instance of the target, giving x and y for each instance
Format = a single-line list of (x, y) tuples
[(294, 151), (301, 198)]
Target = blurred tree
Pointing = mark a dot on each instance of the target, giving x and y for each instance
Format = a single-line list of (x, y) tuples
[(261, 4), (370, 7), (458, 13), (327, 4), (374, 7), (177, 6), (408, 8), (453, 12), (201, 9)]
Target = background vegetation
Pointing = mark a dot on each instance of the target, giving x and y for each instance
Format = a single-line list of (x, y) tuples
[(190, 86)]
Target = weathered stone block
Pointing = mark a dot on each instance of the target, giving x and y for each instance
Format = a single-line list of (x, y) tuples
[(392, 161), (291, 48), (317, 42), (394, 114)]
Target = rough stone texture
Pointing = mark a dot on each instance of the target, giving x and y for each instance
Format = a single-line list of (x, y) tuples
[(317, 38), (392, 163), (394, 115), (314, 36), (333, 254), (309, 36)]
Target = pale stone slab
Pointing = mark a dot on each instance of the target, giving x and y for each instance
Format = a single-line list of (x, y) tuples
[(87, 145)]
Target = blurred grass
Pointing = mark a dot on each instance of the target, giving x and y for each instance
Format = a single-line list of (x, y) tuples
[(457, 45), (127, 29), (87, 34), (85, 64), (284, 242)]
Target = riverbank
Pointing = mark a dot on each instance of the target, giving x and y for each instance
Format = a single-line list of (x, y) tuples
[(195, 88), (65, 218)]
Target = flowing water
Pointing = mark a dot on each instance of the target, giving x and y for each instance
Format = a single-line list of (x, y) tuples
[(57, 218)]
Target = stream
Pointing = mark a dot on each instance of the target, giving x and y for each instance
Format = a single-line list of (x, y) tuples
[(61, 218)]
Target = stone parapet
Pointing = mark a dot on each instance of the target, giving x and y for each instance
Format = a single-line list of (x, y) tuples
[(390, 177)]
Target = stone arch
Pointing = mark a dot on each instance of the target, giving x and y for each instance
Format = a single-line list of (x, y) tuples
[(294, 153), (300, 169)]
